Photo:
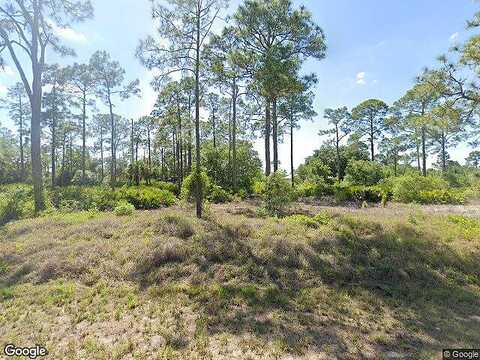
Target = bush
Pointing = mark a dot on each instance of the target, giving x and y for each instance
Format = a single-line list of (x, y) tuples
[(144, 197), (358, 193), (164, 185), (409, 188), (443, 196), (258, 187), (218, 195), (124, 209), (278, 193), (316, 189), (90, 178), (16, 202), (362, 172), (189, 185)]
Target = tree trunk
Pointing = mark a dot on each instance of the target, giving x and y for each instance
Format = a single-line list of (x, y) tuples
[(199, 190), (84, 133), (424, 151), (372, 140), (275, 134), (53, 145), (101, 153), (22, 159), (113, 177), (337, 150), (444, 152), (267, 138), (214, 129), (234, 137), (292, 172)]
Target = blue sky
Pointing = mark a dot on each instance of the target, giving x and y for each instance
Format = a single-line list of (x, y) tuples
[(375, 50)]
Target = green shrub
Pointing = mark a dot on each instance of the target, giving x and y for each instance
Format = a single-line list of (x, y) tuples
[(442, 196), (357, 193), (316, 189), (258, 187), (16, 202), (303, 220), (278, 193), (361, 172), (124, 209), (189, 185), (218, 195), (409, 188), (164, 185), (144, 197)]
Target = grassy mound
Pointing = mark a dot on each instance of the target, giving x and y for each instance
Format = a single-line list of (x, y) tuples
[(162, 285)]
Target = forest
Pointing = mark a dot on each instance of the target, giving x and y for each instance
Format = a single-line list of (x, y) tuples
[(171, 236)]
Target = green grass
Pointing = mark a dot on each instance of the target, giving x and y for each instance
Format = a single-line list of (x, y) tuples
[(164, 285)]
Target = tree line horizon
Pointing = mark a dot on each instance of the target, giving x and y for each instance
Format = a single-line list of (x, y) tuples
[(248, 78)]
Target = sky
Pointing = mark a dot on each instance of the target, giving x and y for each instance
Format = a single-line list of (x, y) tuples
[(375, 50)]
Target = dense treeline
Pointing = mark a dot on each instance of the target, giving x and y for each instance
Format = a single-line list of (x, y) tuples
[(216, 92)]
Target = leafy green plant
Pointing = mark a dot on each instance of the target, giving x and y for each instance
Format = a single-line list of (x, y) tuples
[(189, 185), (218, 195), (124, 209), (278, 193), (361, 172)]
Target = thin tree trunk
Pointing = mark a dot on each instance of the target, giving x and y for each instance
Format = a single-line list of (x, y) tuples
[(267, 138), (372, 140), (292, 171), (275, 134), (53, 145), (214, 129), (424, 151), (22, 159), (234, 138), (337, 150), (444, 152), (198, 192), (101, 153), (84, 134), (113, 179)]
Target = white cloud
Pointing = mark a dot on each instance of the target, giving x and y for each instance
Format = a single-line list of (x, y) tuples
[(68, 34), (454, 37), (7, 70), (360, 79), (3, 89)]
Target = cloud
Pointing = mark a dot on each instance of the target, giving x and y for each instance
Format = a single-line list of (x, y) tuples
[(360, 78), (453, 37), (68, 34), (7, 70), (3, 89)]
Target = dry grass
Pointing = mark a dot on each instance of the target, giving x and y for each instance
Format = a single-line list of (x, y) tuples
[(365, 284)]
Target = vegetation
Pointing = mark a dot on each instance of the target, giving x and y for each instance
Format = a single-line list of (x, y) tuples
[(369, 249), (181, 287)]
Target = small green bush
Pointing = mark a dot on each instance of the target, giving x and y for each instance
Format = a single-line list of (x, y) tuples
[(316, 189), (409, 188), (144, 197), (442, 196), (189, 185), (303, 220), (278, 193), (362, 172), (124, 209), (258, 187), (164, 185), (16, 202), (357, 193), (218, 195)]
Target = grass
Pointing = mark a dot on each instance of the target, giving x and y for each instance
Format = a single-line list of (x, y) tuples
[(160, 284)]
